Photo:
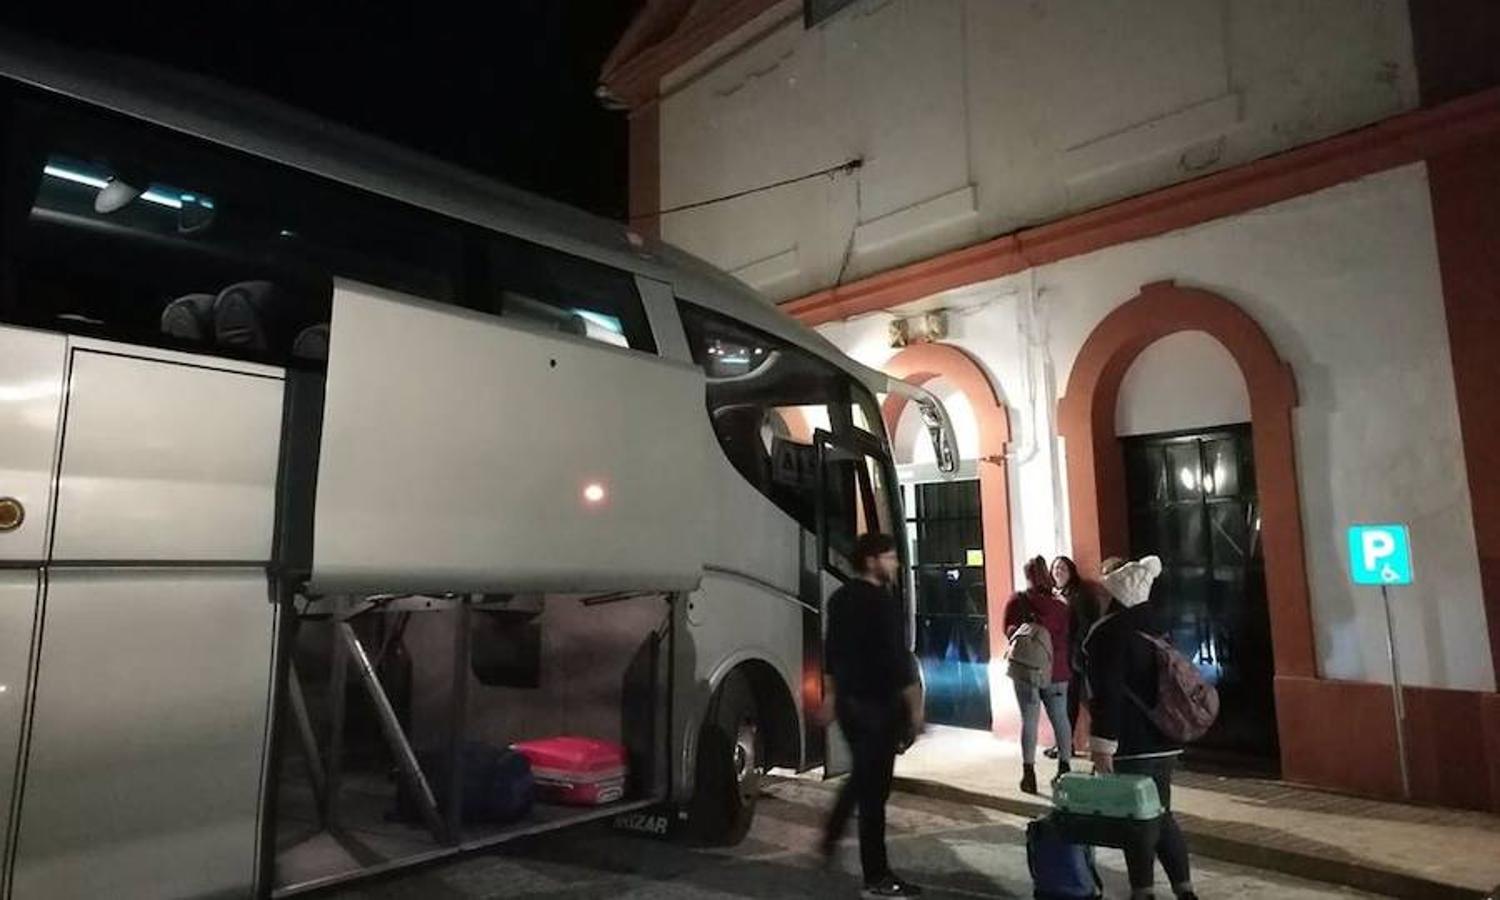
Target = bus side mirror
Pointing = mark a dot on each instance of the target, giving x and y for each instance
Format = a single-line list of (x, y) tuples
[(935, 418), (941, 434)]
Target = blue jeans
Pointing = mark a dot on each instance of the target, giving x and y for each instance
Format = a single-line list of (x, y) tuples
[(1055, 698)]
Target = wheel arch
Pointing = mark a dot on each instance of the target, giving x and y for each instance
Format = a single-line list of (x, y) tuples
[(780, 719)]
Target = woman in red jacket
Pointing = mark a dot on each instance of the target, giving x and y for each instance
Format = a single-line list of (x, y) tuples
[(1039, 604)]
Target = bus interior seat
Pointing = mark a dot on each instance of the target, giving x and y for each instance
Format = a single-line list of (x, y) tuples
[(189, 318), (251, 315), (312, 343)]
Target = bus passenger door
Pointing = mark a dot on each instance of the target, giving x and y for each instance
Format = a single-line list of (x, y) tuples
[(144, 744), (855, 478), (32, 367)]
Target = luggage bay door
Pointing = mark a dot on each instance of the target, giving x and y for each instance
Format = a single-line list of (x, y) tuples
[(855, 484), (461, 453)]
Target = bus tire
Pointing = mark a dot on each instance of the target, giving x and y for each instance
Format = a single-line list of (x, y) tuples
[(731, 750)]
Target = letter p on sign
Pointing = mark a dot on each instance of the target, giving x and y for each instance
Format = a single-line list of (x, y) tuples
[(1377, 545), (1380, 554)]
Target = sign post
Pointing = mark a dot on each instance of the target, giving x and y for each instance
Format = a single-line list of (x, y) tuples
[(1381, 555)]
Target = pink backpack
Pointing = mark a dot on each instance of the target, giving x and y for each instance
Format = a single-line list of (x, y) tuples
[(1186, 705)]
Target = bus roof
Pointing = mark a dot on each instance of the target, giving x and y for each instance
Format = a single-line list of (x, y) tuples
[(253, 124)]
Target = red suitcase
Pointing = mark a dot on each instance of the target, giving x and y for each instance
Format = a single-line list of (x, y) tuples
[(576, 771)]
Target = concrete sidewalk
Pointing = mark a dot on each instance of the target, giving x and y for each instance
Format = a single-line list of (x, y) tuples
[(1385, 848)]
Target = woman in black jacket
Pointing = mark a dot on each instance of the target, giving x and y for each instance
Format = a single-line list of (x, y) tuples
[(1122, 676), (1086, 601)]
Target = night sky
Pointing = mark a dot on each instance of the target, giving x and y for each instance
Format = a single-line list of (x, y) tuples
[(503, 87)]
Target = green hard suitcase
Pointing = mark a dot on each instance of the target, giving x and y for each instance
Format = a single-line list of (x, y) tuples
[(1111, 796), (1122, 811)]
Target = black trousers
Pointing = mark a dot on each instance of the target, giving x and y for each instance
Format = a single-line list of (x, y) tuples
[(1171, 848), (1076, 689), (873, 729)]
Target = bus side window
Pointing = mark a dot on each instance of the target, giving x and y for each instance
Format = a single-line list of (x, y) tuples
[(136, 233), (767, 400), (555, 291)]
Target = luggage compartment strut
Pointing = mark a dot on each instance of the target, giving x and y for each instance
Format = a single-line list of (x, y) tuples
[(390, 727), (326, 776)]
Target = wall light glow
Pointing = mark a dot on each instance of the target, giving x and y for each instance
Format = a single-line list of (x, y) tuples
[(1191, 481), (594, 493)]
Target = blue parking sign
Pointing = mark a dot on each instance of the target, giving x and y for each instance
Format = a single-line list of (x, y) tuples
[(1380, 554)]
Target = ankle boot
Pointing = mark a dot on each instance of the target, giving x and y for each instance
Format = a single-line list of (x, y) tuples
[(1063, 768), (1028, 779)]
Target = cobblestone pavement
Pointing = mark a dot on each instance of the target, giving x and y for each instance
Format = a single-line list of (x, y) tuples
[(952, 849)]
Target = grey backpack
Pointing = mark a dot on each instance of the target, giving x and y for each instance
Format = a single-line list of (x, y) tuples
[(1029, 656)]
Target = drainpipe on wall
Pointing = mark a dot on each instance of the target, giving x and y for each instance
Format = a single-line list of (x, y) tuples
[(1026, 343), (1033, 338)]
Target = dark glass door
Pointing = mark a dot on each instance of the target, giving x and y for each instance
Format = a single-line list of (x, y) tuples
[(953, 637), (1193, 503)]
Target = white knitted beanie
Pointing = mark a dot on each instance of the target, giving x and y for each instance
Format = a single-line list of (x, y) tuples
[(1131, 583)]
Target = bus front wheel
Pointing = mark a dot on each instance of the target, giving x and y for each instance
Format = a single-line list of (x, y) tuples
[(731, 754)]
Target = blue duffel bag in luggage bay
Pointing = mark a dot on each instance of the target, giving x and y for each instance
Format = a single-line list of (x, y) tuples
[(1060, 869), (496, 785)]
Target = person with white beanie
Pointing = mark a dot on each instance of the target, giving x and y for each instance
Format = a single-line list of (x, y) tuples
[(1122, 672)]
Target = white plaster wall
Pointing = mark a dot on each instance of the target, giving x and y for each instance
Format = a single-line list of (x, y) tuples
[(1346, 284), (1185, 380), (976, 117)]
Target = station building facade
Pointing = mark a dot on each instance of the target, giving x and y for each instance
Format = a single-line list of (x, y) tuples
[(1211, 280)]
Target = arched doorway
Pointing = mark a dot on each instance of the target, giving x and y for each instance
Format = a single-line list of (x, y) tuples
[(1097, 477), (930, 365)]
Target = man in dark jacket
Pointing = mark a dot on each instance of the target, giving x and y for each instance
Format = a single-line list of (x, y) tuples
[(872, 686), (1122, 674)]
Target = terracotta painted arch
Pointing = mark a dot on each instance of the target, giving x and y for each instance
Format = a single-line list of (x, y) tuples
[(921, 364), (1096, 465)]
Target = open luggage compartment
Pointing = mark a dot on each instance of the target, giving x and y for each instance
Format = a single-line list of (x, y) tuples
[(379, 689)]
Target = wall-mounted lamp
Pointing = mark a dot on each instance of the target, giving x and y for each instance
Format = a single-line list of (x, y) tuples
[(925, 328)]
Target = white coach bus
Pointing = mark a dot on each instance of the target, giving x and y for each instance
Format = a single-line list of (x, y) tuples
[(322, 463)]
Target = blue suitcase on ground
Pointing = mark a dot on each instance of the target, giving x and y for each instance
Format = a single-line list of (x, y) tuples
[(1060, 869)]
